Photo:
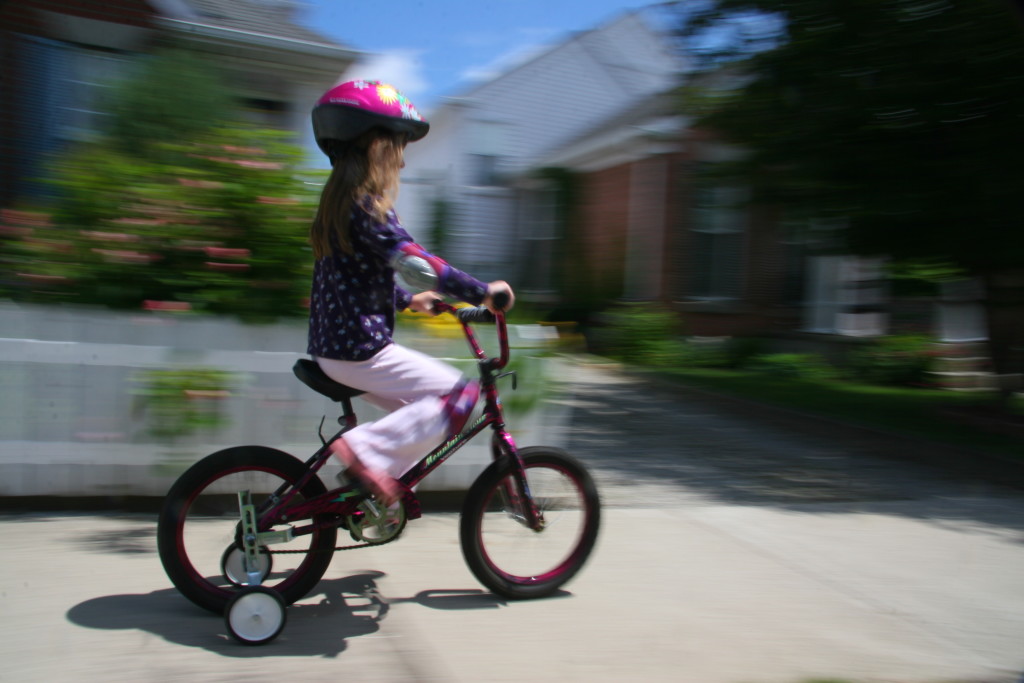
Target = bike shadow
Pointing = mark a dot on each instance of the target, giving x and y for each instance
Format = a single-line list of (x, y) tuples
[(348, 607)]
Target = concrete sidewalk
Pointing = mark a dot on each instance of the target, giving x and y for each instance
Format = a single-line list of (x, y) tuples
[(908, 591), (736, 548)]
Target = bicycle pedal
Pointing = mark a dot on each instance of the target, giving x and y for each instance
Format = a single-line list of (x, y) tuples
[(352, 484)]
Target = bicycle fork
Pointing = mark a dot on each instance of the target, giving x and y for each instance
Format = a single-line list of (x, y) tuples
[(517, 491)]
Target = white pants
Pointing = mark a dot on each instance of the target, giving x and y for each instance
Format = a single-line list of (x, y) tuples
[(411, 386)]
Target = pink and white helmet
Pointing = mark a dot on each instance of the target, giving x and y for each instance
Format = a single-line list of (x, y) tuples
[(348, 110)]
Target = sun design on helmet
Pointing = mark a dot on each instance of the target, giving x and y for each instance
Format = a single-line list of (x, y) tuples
[(387, 93)]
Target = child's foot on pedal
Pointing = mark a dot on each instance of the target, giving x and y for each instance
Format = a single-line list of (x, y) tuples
[(381, 486)]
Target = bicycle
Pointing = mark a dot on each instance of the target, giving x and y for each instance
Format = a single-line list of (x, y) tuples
[(248, 530)]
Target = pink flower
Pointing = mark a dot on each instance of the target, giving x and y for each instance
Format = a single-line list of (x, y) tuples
[(265, 165), (279, 201), (43, 279), (125, 256), (138, 221), (201, 184), (151, 305), (225, 252), (30, 218), (243, 150), (110, 236)]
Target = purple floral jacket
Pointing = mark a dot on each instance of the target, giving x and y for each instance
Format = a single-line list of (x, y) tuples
[(354, 296)]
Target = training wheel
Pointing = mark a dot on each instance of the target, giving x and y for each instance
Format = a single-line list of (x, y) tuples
[(255, 615), (233, 569)]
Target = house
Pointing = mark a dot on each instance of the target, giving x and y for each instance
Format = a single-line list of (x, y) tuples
[(574, 176), (56, 57), (463, 189)]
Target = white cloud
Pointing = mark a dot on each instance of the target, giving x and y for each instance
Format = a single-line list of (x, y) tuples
[(504, 62), (401, 68)]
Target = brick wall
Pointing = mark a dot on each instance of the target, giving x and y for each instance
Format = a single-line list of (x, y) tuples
[(604, 205)]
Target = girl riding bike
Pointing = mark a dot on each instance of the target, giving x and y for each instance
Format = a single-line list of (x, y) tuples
[(360, 245)]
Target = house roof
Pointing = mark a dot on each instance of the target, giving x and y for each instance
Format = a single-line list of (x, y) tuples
[(253, 30), (632, 71), (270, 18), (652, 125), (267, 17)]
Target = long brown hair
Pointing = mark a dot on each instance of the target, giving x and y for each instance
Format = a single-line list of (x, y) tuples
[(365, 168)]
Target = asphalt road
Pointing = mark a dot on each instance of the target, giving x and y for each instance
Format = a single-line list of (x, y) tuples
[(737, 546)]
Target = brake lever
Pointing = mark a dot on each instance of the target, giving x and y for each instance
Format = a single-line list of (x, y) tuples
[(512, 374)]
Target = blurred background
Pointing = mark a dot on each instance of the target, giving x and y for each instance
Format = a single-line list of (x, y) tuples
[(740, 194)]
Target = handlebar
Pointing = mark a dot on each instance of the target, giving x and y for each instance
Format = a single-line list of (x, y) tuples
[(481, 314)]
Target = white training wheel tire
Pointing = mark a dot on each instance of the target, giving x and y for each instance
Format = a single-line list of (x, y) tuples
[(233, 569), (255, 615)]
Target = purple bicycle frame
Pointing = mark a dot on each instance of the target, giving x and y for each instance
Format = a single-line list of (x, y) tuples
[(340, 501)]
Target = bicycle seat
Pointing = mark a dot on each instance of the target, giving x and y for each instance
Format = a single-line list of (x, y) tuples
[(310, 374)]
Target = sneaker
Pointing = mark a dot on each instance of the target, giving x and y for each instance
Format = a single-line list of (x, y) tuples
[(378, 484)]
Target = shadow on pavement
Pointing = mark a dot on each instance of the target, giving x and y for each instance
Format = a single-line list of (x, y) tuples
[(650, 446), (349, 607)]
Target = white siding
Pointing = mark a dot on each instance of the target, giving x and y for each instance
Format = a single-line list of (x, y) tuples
[(537, 107)]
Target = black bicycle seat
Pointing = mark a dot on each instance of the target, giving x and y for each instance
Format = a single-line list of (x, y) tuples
[(310, 374)]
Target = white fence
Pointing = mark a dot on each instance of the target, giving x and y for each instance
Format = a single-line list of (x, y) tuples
[(72, 422)]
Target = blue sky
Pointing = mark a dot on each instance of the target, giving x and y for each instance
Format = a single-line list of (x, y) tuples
[(432, 48)]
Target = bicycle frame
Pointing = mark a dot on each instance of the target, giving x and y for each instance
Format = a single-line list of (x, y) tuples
[(344, 500)]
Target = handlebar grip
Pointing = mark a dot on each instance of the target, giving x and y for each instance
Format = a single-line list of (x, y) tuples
[(477, 314), (500, 299)]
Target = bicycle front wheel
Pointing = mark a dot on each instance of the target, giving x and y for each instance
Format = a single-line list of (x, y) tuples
[(503, 552), (199, 525)]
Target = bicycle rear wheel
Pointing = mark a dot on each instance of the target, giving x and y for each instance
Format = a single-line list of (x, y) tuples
[(507, 556), (199, 523)]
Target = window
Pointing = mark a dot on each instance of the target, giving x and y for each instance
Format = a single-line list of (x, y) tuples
[(487, 145), (60, 101), (846, 295), (88, 78), (719, 227), (538, 230)]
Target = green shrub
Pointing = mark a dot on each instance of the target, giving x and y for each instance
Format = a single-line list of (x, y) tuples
[(180, 402), (643, 333), (793, 365), (740, 351), (896, 360), (703, 353)]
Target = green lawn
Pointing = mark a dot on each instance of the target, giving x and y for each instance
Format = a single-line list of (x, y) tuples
[(929, 413)]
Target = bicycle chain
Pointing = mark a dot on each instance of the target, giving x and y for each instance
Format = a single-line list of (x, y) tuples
[(333, 550), (414, 505)]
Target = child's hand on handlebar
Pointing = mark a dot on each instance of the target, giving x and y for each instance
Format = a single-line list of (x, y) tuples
[(424, 302), (499, 290)]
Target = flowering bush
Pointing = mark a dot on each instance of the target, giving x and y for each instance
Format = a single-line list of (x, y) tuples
[(221, 229)]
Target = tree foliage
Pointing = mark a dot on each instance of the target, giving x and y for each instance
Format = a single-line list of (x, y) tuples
[(897, 116), (175, 95), (896, 119)]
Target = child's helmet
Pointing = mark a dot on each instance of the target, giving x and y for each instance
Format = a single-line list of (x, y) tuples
[(348, 110)]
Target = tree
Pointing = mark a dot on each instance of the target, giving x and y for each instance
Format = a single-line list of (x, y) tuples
[(898, 119)]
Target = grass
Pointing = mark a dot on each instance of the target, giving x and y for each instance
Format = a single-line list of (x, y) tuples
[(927, 413)]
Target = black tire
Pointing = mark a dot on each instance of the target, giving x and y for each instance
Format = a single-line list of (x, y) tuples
[(506, 556), (255, 616), (200, 519)]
